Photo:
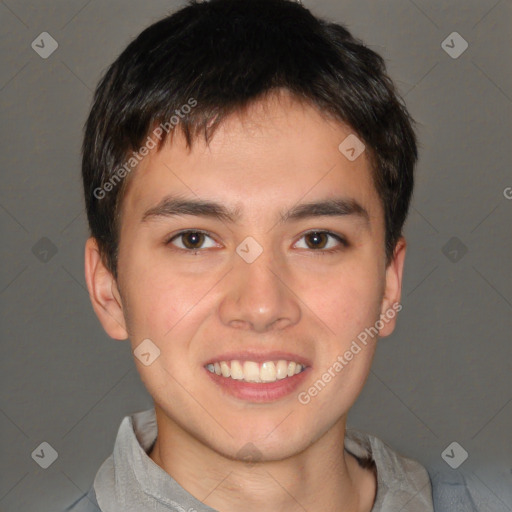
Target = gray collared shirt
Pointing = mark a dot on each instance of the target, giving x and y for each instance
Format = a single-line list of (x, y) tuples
[(130, 481)]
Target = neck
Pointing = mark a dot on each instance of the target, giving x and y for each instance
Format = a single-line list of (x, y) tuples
[(324, 477)]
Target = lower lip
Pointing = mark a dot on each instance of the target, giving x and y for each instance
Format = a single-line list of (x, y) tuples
[(259, 391)]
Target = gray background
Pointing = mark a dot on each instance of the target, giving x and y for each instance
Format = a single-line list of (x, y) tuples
[(445, 375)]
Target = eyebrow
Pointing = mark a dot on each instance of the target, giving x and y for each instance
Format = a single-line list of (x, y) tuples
[(171, 206)]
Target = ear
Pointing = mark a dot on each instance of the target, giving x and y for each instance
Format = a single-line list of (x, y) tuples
[(104, 293), (393, 290)]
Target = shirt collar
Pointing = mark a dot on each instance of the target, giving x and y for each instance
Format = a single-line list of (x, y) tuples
[(129, 479)]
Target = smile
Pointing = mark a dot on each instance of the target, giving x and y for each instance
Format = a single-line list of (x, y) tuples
[(251, 371)]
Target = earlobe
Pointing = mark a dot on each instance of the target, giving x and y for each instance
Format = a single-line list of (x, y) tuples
[(393, 289), (103, 292)]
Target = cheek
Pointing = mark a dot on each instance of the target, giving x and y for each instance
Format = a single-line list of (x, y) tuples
[(150, 300), (349, 300), (155, 307), (158, 300)]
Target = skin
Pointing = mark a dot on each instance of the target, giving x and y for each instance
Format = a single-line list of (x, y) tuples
[(195, 305)]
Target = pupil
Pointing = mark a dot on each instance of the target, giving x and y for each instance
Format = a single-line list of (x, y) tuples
[(194, 239), (317, 237)]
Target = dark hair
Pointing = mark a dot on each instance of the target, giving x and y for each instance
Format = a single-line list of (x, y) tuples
[(223, 55)]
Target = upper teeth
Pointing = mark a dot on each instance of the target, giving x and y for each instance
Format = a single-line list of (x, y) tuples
[(250, 371)]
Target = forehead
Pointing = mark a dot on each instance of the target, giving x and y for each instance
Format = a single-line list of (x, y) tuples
[(277, 153)]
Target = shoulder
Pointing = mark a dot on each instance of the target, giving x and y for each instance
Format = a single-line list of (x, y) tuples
[(402, 483), (86, 503), (455, 490)]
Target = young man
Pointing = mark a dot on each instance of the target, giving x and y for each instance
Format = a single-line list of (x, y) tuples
[(248, 170)]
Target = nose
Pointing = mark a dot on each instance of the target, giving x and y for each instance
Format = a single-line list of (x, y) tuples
[(258, 297)]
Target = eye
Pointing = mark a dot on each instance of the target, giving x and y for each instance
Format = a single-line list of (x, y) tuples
[(191, 240), (319, 241)]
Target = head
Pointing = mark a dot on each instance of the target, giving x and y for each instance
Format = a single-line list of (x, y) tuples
[(242, 107)]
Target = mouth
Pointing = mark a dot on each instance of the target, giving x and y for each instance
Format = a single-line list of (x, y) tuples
[(255, 377), (253, 371)]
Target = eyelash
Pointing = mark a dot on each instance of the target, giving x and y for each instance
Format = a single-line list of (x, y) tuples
[(318, 252)]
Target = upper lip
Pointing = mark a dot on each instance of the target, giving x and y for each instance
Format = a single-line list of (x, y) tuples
[(258, 357)]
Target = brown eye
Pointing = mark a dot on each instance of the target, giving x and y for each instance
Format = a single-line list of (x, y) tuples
[(323, 242), (192, 240), (316, 240)]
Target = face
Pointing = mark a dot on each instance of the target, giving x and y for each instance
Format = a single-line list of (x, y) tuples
[(259, 256)]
